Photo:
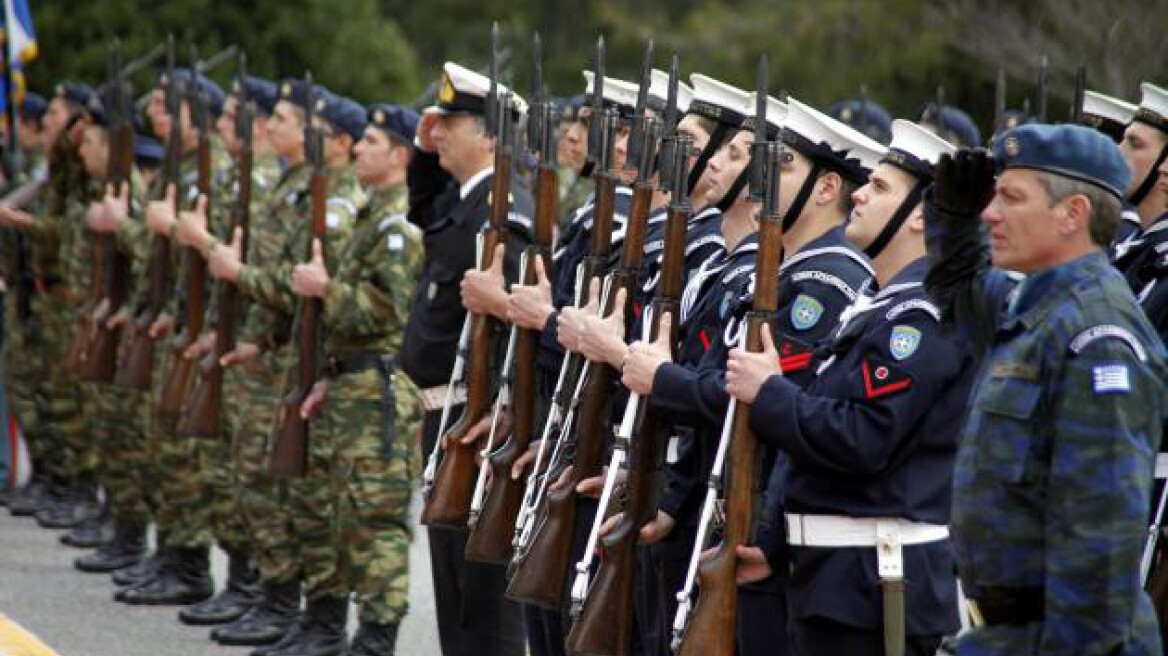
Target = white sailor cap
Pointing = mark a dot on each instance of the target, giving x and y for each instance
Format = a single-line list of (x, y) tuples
[(915, 149), (464, 92), (718, 101), (1105, 107), (659, 93), (831, 143), (617, 93), (776, 115), (1153, 108)]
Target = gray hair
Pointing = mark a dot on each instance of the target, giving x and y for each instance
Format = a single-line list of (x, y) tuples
[(1105, 207)]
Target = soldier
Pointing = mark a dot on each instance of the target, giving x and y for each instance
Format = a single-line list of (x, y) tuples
[(572, 156), (1111, 116), (450, 181), (873, 418), (1054, 470), (865, 116), (952, 124), (223, 467), (369, 409)]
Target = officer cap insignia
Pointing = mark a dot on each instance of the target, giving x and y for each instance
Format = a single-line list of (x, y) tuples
[(1013, 146), (447, 93)]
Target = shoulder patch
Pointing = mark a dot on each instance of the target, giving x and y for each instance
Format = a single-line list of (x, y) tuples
[(914, 304), (806, 311), (1111, 379), (905, 341), (394, 242), (1107, 331), (882, 379), (332, 220), (343, 203), (828, 279)]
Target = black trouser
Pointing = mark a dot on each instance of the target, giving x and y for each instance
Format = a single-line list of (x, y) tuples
[(473, 617), (762, 621), (818, 636), (545, 631)]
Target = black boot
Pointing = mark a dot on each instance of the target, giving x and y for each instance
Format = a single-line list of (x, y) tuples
[(145, 570), (77, 502), (30, 498), (93, 532), (126, 549), (266, 622), (186, 579), (322, 630), (374, 640), (241, 593)]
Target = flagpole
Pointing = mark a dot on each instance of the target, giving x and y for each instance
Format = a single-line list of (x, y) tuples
[(12, 157)]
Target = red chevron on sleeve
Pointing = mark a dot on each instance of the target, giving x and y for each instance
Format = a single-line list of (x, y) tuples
[(883, 379), (795, 355)]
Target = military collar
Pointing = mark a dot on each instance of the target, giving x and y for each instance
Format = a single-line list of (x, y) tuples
[(472, 183), (1158, 231), (1039, 293), (708, 212), (379, 197), (832, 242), (912, 276)]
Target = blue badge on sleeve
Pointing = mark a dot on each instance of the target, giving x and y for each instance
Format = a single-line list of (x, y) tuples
[(805, 312), (904, 341), (1111, 379)]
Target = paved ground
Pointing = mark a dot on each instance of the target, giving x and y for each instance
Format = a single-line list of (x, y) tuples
[(74, 614)]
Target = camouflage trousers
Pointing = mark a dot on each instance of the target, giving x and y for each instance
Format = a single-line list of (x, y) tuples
[(24, 369), (258, 496), (374, 479), (123, 464), (60, 411)]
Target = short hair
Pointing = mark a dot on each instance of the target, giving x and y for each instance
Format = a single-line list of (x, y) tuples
[(846, 188), (1106, 209)]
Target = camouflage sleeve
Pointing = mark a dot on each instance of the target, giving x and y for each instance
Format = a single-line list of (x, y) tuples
[(380, 299), (1101, 462)]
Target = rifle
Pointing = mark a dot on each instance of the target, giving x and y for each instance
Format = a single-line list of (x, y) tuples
[(1000, 103), (100, 357), (604, 611), (544, 549), (711, 630), (289, 455), (138, 366), (449, 499), (181, 372), (1077, 95), (203, 413), (493, 526), (1043, 83)]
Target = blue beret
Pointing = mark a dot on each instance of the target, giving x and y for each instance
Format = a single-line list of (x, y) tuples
[(96, 110), (184, 77), (263, 93), (213, 93), (1072, 151), (148, 151), (298, 93), (344, 114), (953, 125), (34, 106), (394, 120), (867, 117), (78, 94)]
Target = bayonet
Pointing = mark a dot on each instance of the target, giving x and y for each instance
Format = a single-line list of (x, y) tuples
[(639, 138), (758, 148), (1000, 102), (596, 123), (1043, 74), (1076, 114), (491, 111)]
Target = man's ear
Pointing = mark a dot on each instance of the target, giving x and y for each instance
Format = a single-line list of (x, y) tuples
[(828, 188), (1073, 215)]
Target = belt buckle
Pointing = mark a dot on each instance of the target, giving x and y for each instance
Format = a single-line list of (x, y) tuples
[(889, 551)]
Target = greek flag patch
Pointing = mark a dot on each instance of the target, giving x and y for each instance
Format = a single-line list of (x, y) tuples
[(1111, 379), (394, 242)]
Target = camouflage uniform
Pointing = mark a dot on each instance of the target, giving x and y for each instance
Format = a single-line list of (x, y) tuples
[(366, 306), (1053, 474)]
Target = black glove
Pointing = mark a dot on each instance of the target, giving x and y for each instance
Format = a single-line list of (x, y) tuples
[(963, 183)]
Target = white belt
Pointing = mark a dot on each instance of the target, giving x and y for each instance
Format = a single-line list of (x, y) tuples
[(835, 531), (1162, 465), (434, 398)]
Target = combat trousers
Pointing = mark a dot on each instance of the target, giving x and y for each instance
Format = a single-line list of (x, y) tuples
[(473, 617), (123, 464), (60, 412)]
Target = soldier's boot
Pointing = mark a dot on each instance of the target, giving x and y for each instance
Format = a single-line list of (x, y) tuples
[(126, 549), (92, 532), (144, 571), (374, 640), (267, 622), (77, 502), (321, 630), (30, 498), (186, 580), (242, 591)]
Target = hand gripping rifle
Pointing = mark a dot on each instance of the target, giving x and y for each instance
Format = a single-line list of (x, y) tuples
[(544, 545), (289, 456), (203, 413), (137, 368), (711, 629), (604, 610), (177, 384), (449, 499), (493, 517), (100, 356)]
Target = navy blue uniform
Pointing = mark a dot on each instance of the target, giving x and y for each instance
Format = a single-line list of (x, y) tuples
[(816, 285), (873, 436), (1145, 266)]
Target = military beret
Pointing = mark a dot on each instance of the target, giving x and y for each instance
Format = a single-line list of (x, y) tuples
[(1153, 109), (1071, 151), (212, 92), (299, 93), (463, 92), (951, 124), (830, 143), (718, 101), (262, 92), (148, 151), (78, 94), (33, 106), (865, 116), (96, 110), (1107, 114), (395, 120), (914, 149), (344, 114)]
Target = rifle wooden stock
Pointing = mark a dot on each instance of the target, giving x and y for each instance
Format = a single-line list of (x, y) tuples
[(448, 503), (202, 416), (289, 457), (491, 538), (83, 328), (137, 368)]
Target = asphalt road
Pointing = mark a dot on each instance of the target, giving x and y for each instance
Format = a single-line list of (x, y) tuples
[(74, 613)]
